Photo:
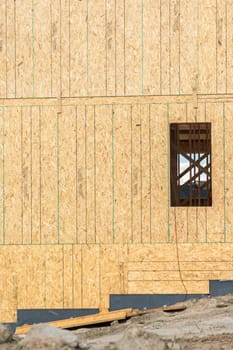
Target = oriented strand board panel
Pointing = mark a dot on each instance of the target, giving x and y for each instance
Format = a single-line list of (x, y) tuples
[(36, 174), (165, 48), (90, 135), (97, 70), (49, 175), (188, 46), (228, 170), (24, 59), (3, 48), (13, 176), (26, 175), (11, 51), (229, 47), (77, 269), (78, 48), (110, 277), (90, 276), (36, 291), (159, 175), (8, 286), (110, 28), (207, 46), (68, 276), (55, 21), (178, 217), (54, 271), (215, 214), (67, 175), (151, 47), (152, 252), (136, 175), (120, 48), (221, 45), (104, 176), (122, 174), (169, 287), (81, 177), (113, 47), (133, 47), (65, 47), (174, 37), (146, 173), (42, 49), (22, 275), (2, 174), (212, 252), (201, 223)]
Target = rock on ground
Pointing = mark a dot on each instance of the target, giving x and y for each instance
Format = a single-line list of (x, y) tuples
[(45, 337), (5, 333)]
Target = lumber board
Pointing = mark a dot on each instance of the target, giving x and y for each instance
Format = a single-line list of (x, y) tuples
[(101, 317)]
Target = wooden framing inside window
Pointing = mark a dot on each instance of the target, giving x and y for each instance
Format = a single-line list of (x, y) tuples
[(190, 164)]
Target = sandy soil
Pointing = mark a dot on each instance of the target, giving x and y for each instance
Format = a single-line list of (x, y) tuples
[(205, 324)]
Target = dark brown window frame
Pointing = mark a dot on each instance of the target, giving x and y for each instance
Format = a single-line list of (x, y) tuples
[(191, 143)]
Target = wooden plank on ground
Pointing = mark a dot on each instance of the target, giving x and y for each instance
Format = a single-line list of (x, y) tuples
[(101, 317)]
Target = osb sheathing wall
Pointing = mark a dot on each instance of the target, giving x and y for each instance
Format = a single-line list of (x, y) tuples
[(115, 47), (84, 201), (85, 206)]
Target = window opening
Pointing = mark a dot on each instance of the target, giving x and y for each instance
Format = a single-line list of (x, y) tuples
[(190, 164)]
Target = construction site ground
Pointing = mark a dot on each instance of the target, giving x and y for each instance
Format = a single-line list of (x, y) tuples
[(204, 324)]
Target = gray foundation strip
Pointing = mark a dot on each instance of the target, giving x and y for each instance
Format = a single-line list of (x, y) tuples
[(120, 301)]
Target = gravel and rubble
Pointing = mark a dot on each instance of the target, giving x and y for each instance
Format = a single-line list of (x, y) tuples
[(205, 324)]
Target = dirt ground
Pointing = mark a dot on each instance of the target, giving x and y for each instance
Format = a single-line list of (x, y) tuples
[(205, 324)]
